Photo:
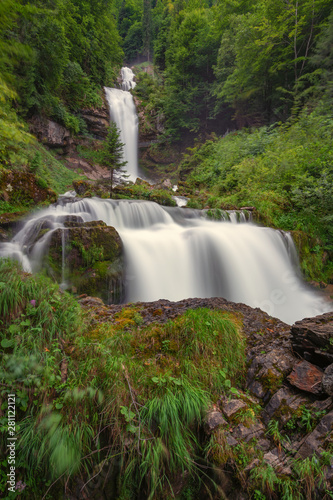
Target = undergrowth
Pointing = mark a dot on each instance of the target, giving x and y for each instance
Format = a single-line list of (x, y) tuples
[(124, 404)]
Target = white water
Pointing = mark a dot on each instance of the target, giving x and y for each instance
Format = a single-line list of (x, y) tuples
[(175, 253), (127, 77), (123, 113)]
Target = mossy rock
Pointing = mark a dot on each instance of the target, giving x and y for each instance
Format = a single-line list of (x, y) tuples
[(93, 259), (24, 189)]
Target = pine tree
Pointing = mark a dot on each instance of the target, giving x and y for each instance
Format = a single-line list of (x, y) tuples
[(111, 155)]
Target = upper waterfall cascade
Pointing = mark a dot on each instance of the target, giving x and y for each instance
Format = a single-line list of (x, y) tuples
[(176, 253), (123, 113)]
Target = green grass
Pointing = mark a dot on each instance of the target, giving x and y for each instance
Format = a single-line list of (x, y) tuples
[(125, 398)]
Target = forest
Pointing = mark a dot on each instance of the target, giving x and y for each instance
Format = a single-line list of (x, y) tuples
[(115, 401)]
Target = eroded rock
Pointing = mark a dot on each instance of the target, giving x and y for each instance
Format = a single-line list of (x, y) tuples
[(306, 377), (312, 338), (214, 419)]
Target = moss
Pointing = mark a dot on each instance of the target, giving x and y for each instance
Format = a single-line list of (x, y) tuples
[(271, 381)]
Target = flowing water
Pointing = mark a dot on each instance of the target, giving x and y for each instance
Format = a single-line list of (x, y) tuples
[(176, 253), (123, 113)]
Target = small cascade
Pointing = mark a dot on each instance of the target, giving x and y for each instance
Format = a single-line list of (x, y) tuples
[(127, 77), (175, 253), (123, 113)]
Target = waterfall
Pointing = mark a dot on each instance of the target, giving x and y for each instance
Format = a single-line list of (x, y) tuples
[(123, 113), (177, 253)]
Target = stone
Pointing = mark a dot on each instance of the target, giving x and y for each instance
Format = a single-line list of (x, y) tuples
[(230, 408), (81, 187), (50, 133), (279, 465), (230, 440), (214, 419), (312, 444), (268, 370), (313, 337), (97, 119), (263, 444), (166, 184), (243, 433), (284, 403), (93, 259), (327, 381), (307, 377)]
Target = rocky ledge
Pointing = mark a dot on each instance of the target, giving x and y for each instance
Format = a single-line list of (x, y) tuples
[(281, 416)]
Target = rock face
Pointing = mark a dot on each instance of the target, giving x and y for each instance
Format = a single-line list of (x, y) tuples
[(88, 256), (50, 133), (312, 338), (97, 120)]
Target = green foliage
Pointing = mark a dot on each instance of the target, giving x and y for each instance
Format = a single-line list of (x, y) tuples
[(285, 172), (111, 153)]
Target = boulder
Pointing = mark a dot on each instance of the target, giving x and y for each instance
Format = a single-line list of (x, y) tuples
[(283, 404), (268, 371), (92, 256), (307, 377), (50, 133), (232, 407), (312, 338), (214, 419)]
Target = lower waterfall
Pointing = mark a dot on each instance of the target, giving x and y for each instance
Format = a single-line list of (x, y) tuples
[(177, 253)]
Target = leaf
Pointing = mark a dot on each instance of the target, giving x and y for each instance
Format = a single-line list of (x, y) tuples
[(26, 322), (14, 329), (5, 343), (227, 383), (59, 406)]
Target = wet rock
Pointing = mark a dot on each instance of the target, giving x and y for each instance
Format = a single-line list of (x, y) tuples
[(312, 338), (327, 381), (93, 259), (283, 405), (213, 420), (81, 187), (306, 377), (314, 442)]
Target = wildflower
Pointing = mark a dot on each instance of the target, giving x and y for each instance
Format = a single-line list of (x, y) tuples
[(33, 302), (9, 187)]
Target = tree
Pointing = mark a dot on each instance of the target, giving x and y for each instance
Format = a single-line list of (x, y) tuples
[(111, 155)]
